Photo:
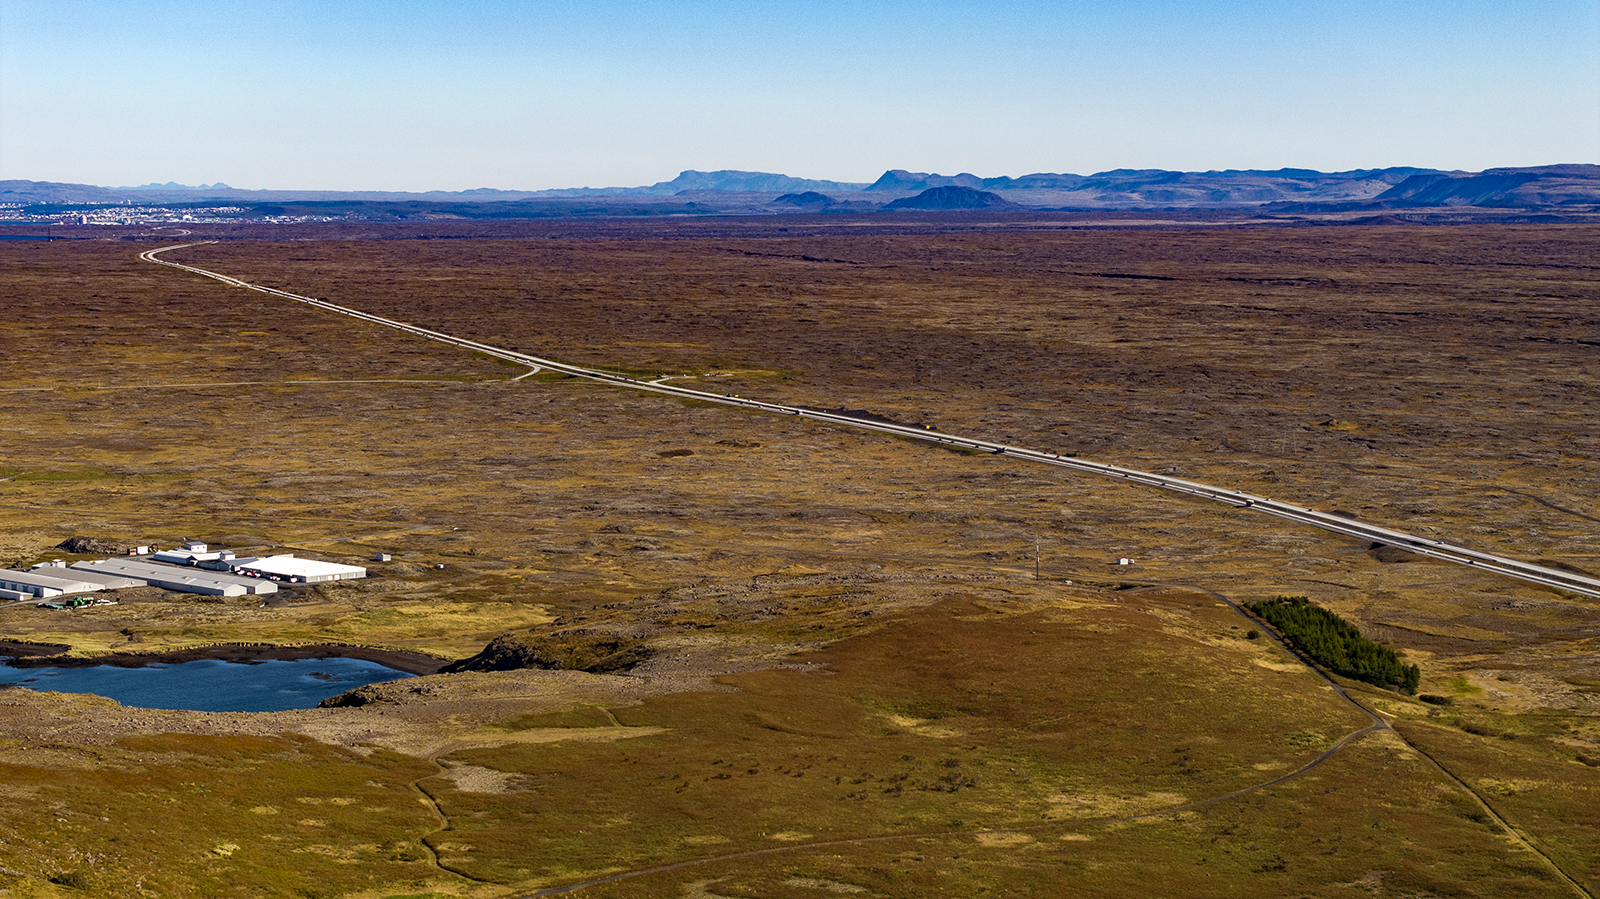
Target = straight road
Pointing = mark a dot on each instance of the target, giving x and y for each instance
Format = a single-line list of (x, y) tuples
[(1438, 549)]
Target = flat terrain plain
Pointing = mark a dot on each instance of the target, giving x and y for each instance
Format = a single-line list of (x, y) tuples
[(848, 640)]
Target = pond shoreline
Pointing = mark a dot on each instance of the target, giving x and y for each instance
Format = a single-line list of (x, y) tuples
[(39, 655)]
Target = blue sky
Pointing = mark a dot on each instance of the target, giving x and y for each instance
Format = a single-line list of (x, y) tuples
[(405, 95)]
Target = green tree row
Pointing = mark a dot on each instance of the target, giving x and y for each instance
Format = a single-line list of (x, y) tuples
[(1334, 643)]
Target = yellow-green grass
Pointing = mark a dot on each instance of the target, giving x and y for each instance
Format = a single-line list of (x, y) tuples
[(173, 815), (433, 625), (946, 719), (1520, 767), (961, 718), (1370, 822)]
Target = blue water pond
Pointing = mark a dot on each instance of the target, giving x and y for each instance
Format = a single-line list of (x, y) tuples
[(211, 685)]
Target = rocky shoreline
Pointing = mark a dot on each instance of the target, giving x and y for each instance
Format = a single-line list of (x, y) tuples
[(37, 655)]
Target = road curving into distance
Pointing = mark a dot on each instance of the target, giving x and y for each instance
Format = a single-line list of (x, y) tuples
[(1424, 546)]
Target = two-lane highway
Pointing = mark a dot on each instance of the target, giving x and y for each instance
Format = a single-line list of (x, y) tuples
[(1438, 549)]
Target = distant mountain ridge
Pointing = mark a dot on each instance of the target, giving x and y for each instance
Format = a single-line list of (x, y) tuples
[(729, 180), (1554, 185), (902, 180), (173, 185), (725, 179), (1159, 187), (1560, 187)]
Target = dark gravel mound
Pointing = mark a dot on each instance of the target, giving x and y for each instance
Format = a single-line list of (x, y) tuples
[(571, 651), (86, 545)]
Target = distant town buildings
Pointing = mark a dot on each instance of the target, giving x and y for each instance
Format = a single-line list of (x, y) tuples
[(150, 215)]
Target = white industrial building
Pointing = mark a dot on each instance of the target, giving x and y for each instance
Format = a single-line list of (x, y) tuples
[(194, 568), (183, 580), (44, 586), (106, 581), (193, 552), (289, 569)]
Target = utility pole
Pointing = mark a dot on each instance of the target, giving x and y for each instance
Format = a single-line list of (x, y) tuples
[(1035, 560)]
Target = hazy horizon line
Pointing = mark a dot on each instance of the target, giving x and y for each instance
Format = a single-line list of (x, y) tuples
[(223, 185)]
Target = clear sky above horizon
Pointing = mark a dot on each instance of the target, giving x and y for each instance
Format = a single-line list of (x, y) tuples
[(409, 95)]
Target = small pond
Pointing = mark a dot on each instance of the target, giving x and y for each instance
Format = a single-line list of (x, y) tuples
[(211, 685)]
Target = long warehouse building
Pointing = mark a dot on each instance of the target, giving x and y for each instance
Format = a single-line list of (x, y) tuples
[(106, 580), (297, 571), (183, 580), (33, 583)]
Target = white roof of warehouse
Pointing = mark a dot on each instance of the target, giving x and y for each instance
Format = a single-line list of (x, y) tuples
[(289, 566), (184, 556), (174, 577), (108, 580)]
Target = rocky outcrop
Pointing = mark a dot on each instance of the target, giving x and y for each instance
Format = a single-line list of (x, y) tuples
[(88, 545), (569, 651)]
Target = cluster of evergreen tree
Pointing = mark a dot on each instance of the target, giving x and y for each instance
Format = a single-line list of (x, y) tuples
[(1335, 643)]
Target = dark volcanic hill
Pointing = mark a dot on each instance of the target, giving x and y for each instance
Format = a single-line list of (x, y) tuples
[(952, 197), (809, 198)]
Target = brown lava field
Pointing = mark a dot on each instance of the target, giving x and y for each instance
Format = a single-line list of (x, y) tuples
[(843, 636)]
